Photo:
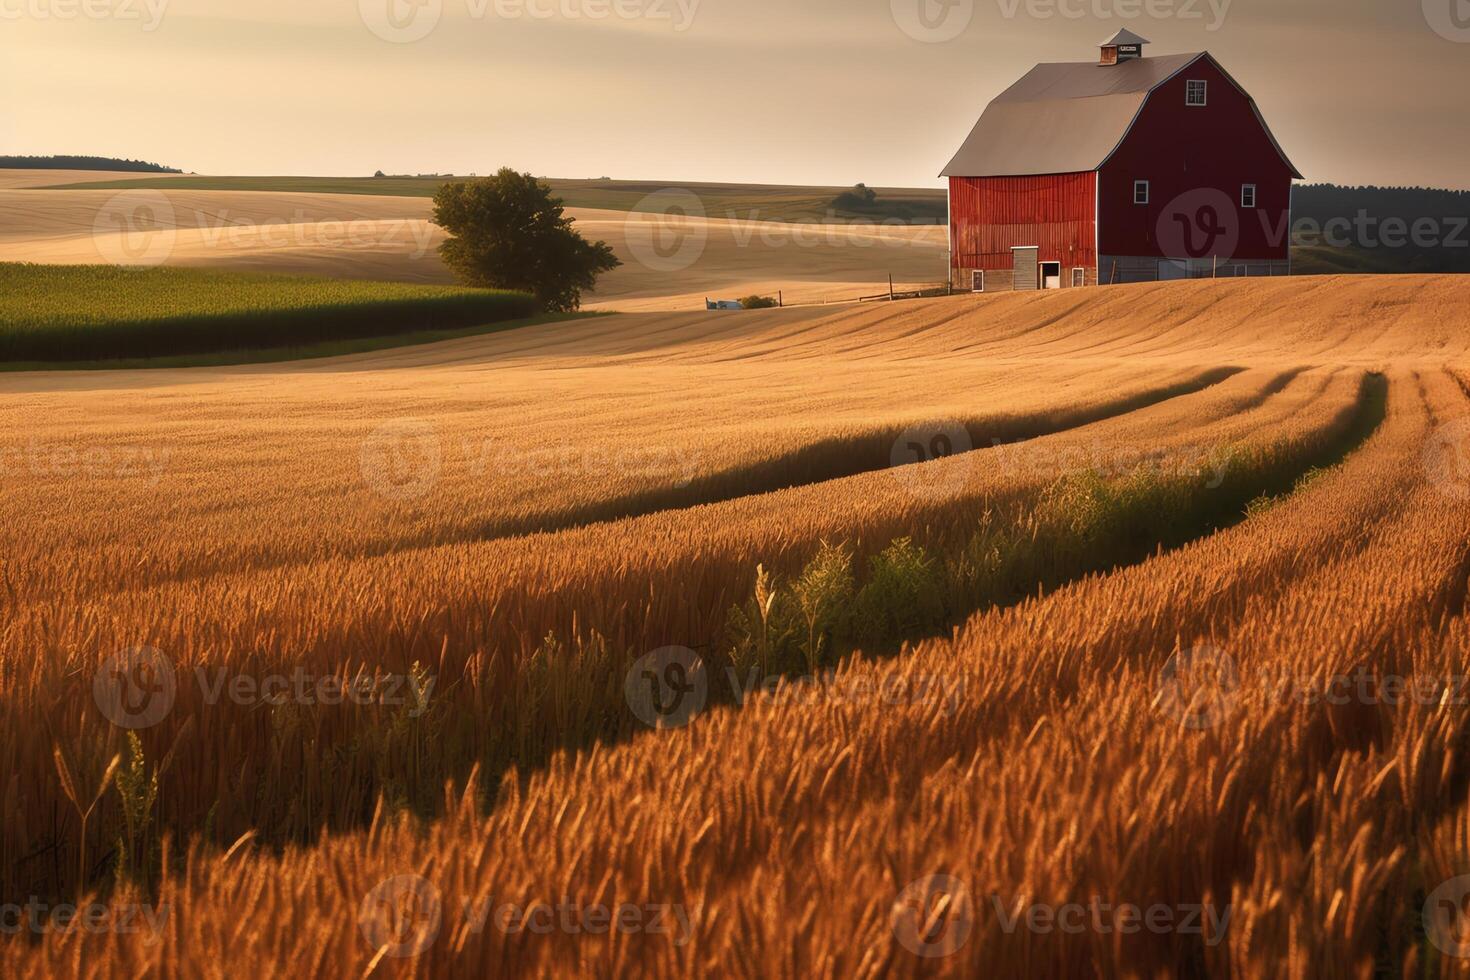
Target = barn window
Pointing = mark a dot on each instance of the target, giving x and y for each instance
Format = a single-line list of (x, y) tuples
[(1079, 276), (977, 281), (1197, 92), (1247, 195), (1140, 192)]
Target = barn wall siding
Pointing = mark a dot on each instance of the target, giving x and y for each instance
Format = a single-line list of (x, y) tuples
[(1056, 212), (1189, 150), (1000, 280), (1120, 269)]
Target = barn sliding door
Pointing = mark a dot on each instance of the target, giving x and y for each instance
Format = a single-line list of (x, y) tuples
[(1024, 268)]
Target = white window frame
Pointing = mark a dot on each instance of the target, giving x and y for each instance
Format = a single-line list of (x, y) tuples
[(977, 276), (1137, 184), (1254, 196), (1079, 276), (1204, 93)]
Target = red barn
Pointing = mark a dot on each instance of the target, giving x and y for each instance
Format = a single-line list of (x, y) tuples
[(1130, 169)]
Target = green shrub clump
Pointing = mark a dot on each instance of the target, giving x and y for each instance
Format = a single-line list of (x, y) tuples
[(903, 596)]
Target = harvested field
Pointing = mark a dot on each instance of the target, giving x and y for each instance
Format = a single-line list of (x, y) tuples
[(992, 604), (670, 262)]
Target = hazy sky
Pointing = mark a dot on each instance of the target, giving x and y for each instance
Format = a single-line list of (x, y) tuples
[(798, 91)]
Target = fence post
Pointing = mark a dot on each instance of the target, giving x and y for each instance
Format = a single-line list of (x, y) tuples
[(890, 287), (780, 299)]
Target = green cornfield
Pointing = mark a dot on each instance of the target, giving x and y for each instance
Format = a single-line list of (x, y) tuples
[(86, 313)]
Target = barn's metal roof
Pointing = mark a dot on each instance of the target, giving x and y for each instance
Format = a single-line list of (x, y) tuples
[(1125, 36), (1066, 118)]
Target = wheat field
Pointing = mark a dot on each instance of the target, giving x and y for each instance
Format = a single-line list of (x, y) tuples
[(1098, 633)]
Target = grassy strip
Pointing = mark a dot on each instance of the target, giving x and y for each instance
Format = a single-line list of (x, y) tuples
[(90, 313), (1084, 523)]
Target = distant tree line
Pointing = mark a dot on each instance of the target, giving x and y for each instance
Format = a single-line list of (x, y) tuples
[(83, 163), (1323, 201), (1400, 229)]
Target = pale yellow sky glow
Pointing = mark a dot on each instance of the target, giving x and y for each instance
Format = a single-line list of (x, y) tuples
[(780, 91)]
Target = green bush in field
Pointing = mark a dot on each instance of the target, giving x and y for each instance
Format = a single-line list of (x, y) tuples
[(759, 302), (824, 593), (763, 630), (903, 596), (85, 313)]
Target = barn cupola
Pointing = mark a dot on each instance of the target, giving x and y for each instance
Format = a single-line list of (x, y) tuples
[(1121, 47)]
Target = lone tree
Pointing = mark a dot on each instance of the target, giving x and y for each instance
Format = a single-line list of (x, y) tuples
[(508, 232), (859, 198)]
